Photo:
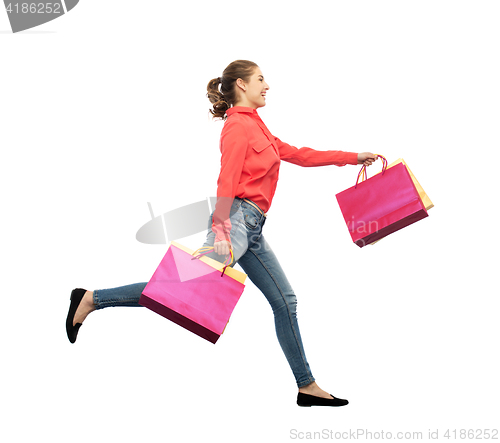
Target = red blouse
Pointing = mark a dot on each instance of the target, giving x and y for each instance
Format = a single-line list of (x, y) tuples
[(250, 164)]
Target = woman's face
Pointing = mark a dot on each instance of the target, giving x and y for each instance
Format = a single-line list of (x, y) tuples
[(253, 92)]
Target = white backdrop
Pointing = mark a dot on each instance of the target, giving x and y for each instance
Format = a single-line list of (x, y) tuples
[(104, 110)]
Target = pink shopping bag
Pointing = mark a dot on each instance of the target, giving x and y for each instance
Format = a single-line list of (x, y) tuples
[(381, 205), (198, 294)]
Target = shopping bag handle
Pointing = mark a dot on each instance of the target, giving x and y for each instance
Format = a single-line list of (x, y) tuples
[(208, 249), (364, 176)]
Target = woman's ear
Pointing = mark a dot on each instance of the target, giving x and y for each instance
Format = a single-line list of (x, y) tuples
[(241, 84)]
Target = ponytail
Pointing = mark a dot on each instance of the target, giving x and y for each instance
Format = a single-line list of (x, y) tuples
[(220, 105), (224, 97)]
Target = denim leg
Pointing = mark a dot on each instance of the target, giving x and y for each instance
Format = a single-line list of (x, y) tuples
[(264, 270), (121, 296)]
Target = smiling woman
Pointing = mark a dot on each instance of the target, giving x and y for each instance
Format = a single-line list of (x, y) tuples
[(250, 162), (240, 76), (254, 90)]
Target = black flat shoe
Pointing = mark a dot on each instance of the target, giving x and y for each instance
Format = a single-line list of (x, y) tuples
[(311, 400), (76, 298)]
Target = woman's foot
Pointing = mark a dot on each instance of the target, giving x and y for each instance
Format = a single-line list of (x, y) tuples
[(85, 307), (314, 389), (81, 305), (313, 395)]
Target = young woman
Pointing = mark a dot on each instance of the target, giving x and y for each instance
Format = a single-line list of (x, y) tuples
[(250, 163)]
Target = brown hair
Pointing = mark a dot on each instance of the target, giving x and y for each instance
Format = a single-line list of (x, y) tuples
[(224, 98)]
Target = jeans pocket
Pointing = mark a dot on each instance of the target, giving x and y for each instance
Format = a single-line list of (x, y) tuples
[(250, 219)]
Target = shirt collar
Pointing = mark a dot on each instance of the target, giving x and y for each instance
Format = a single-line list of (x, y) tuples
[(246, 109)]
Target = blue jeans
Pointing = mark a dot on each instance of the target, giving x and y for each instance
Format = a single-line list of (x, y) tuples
[(256, 258)]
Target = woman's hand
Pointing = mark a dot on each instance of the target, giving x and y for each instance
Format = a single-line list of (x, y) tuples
[(222, 247), (367, 158)]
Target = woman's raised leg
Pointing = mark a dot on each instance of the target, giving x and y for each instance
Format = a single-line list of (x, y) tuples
[(83, 304)]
